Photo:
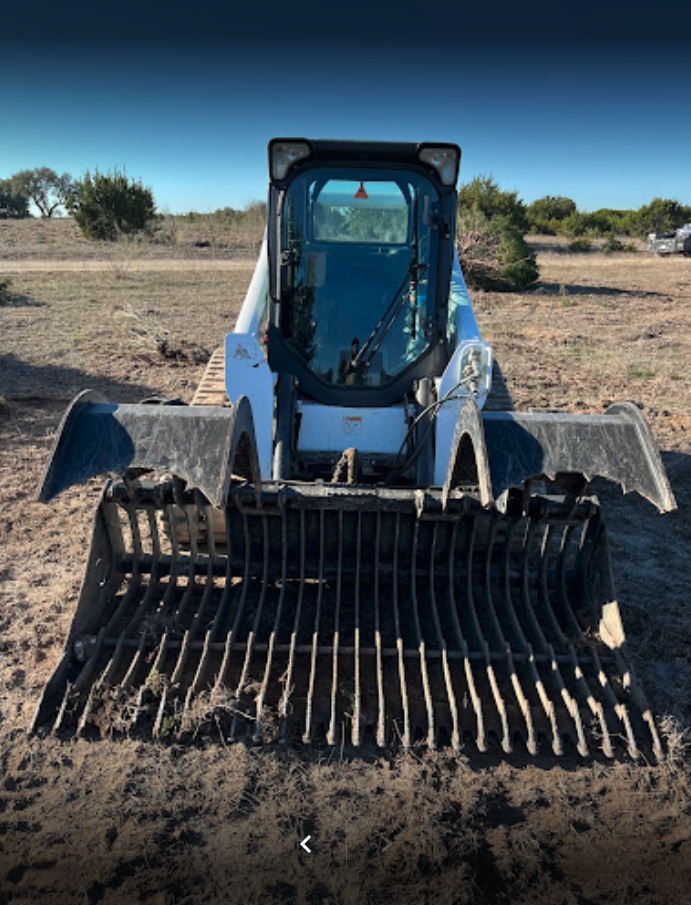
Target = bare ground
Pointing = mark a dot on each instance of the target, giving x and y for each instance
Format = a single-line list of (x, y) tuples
[(121, 820)]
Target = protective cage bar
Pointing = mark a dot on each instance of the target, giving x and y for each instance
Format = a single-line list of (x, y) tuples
[(285, 618)]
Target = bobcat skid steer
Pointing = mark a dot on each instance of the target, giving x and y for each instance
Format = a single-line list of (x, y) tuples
[(350, 537)]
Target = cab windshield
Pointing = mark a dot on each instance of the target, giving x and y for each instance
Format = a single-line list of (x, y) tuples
[(359, 250)]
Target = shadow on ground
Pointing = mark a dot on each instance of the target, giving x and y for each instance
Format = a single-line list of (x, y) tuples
[(566, 289), (22, 381)]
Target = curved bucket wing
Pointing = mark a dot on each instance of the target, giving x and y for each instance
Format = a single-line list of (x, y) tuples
[(196, 443), (510, 448)]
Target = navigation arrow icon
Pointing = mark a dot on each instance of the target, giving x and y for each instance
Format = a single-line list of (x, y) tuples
[(387, 843), (304, 845)]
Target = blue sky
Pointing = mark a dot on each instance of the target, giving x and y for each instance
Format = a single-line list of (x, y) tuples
[(602, 115)]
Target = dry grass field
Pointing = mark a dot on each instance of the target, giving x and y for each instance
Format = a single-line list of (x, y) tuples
[(123, 820)]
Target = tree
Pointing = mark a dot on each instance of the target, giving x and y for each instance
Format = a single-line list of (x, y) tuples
[(662, 215), (44, 187), (13, 206), (493, 253), (108, 205), (484, 194), (545, 214)]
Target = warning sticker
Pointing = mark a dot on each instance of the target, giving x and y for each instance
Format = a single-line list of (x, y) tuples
[(352, 424)]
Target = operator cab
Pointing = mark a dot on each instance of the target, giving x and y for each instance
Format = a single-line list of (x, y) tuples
[(360, 248)]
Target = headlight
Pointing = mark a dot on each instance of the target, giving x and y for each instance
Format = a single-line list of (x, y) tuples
[(444, 158), (283, 153)]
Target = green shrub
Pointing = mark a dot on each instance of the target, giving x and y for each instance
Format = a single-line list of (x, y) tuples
[(6, 294), (611, 245), (106, 206), (493, 253), (580, 244), (484, 194), (13, 205), (661, 215), (546, 214)]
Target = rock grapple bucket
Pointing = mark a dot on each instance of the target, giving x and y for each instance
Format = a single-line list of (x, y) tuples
[(346, 615)]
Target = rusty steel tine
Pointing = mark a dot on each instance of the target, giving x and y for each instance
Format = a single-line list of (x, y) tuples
[(274, 631), (307, 735), (331, 733), (288, 679), (255, 625), (405, 738), (381, 711)]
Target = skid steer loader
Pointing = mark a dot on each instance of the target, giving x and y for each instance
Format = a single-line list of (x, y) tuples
[(350, 536)]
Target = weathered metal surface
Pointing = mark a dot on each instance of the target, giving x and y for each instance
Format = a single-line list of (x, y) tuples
[(194, 443), (504, 450), (402, 622)]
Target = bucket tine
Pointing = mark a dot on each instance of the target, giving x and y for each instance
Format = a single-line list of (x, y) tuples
[(461, 622), (255, 627), (381, 701), (274, 631), (531, 626), (441, 643), (331, 732), (288, 677), (406, 735), (307, 735), (421, 644), (357, 699)]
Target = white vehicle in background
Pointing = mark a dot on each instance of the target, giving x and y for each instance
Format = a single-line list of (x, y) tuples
[(676, 242)]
